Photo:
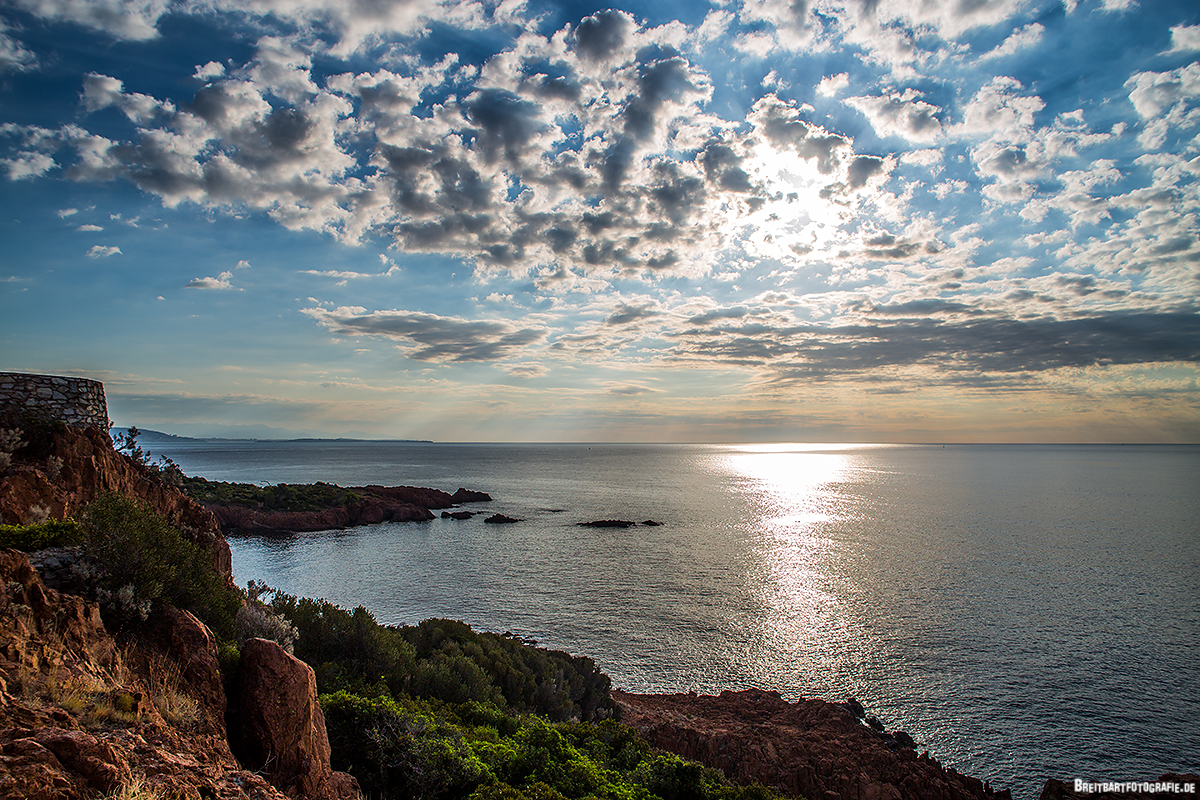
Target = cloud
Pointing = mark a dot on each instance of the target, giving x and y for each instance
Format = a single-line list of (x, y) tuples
[(1185, 39), (431, 337), (604, 35), (219, 282), (831, 85), (100, 251), (626, 314), (959, 346), (1024, 39), (902, 114), (27, 165), (1167, 101), (121, 19), (89, 228), (13, 56), (102, 91), (526, 370)]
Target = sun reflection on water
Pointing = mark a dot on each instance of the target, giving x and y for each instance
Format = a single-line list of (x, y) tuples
[(792, 491)]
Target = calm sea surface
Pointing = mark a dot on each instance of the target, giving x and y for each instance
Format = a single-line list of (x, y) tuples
[(1023, 611)]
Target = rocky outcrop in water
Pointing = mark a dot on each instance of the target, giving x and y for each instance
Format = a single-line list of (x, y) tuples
[(470, 496), (374, 504), (811, 748)]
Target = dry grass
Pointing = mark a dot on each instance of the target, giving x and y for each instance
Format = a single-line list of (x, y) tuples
[(136, 789), (176, 706)]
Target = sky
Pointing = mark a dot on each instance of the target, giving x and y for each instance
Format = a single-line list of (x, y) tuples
[(732, 221)]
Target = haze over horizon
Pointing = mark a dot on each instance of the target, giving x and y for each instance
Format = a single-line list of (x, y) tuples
[(732, 221)]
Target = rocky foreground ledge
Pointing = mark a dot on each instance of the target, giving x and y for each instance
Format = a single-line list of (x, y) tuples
[(811, 748)]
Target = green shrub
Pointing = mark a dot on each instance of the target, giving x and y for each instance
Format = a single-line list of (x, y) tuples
[(400, 749), (143, 560), (54, 533)]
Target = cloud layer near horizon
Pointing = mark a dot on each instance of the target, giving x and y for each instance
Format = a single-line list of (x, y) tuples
[(880, 193)]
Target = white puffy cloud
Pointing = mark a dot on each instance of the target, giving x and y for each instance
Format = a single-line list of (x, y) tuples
[(13, 55), (102, 251), (904, 114), (27, 165), (1167, 101), (1025, 38), (831, 85), (101, 91), (222, 282), (1185, 39), (122, 19)]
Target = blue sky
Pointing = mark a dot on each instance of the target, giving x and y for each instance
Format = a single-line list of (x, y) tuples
[(747, 220)]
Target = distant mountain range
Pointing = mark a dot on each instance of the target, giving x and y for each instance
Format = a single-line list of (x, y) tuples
[(148, 437)]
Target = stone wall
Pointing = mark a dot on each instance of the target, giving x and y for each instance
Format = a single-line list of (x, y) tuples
[(76, 401)]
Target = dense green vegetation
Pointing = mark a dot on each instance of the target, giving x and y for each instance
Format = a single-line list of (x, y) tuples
[(438, 711), (281, 497), (54, 533), (442, 659), (141, 560), (430, 751)]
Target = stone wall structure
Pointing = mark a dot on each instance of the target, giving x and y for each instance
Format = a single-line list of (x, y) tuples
[(76, 401)]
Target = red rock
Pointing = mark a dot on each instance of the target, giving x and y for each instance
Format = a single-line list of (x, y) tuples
[(98, 762), (811, 748), (280, 728), (192, 649), (48, 640), (470, 496), (91, 467)]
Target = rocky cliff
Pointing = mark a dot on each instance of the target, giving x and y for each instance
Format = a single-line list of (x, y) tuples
[(82, 713), (811, 748), (73, 466)]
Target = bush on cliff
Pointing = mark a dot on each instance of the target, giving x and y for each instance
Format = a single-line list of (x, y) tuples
[(142, 560), (53, 533)]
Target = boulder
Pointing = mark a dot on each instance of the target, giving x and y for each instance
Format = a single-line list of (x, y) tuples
[(607, 523), (501, 519), (279, 728), (58, 665)]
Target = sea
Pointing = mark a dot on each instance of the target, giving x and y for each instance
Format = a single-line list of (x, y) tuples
[(1023, 611)]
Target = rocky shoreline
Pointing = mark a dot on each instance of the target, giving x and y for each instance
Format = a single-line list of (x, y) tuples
[(811, 748)]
